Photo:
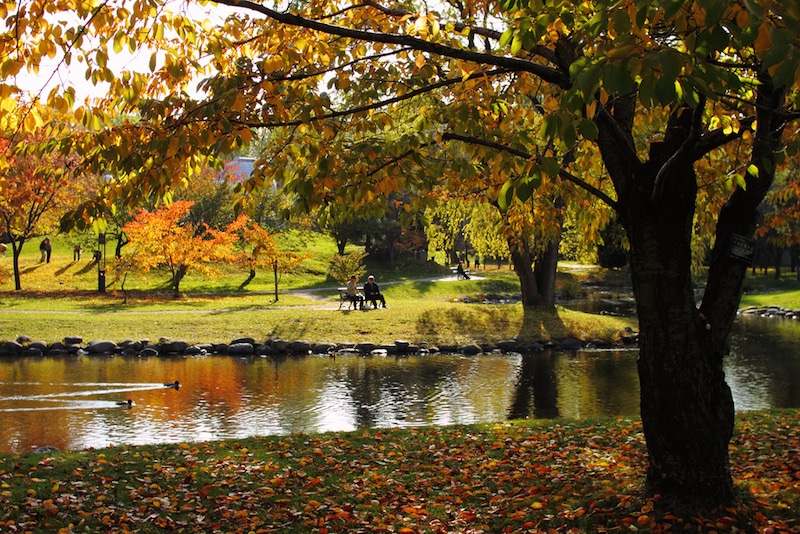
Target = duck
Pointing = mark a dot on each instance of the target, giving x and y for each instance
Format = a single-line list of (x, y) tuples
[(175, 385), (127, 403)]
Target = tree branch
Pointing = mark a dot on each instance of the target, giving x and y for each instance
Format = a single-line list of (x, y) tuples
[(374, 105), (564, 175), (547, 74), (683, 150)]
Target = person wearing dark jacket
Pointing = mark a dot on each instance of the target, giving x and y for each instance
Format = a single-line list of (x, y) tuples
[(372, 293)]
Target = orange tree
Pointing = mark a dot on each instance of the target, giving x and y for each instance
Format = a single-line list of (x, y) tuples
[(36, 187), (781, 226), (164, 237), (628, 101)]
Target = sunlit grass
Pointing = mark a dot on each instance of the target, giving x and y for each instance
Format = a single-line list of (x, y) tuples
[(426, 304)]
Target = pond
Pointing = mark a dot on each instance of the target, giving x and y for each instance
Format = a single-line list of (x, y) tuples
[(71, 402)]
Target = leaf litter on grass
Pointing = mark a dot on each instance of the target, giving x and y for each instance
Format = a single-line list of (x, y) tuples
[(523, 476)]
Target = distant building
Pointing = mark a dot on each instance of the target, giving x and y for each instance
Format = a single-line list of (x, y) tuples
[(238, 169)]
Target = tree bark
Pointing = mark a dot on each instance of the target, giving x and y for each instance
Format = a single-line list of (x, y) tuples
[(522, 260), (686, 405)]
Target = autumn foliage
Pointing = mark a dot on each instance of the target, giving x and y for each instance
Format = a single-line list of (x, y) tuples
[(164, 237), (530, 476)]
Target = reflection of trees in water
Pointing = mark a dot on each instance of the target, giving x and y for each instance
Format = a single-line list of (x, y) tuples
[(536, 389), (764, 363), (394, 389)]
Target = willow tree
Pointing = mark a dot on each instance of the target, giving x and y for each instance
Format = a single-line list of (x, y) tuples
[(638, 92)]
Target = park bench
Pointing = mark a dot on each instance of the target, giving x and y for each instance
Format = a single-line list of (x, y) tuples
[(455, 272), (343, 298)]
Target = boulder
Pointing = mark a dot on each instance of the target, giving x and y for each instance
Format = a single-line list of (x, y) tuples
[(241, 349), (149, 351), (279, 345), (365, 347), (300, 346), (471, 349), (173, 347), (100, 347), (323, 348)]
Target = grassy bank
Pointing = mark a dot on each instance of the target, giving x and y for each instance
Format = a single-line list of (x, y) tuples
[(525, 476), (60, 299)]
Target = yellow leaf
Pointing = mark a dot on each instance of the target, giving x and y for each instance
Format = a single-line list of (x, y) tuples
[(420, 61)]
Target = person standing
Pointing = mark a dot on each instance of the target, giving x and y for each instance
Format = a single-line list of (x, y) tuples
[(372, 293), (45, 248)]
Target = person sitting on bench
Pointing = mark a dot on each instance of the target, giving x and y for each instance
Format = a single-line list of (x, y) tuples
[(460, 272), (372, 293), (352, 293)]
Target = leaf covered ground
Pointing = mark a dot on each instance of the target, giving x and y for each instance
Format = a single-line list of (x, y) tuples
[(525, 476)]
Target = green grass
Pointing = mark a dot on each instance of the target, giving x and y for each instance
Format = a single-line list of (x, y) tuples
[(522, 476), (764, 289), (61, 299)]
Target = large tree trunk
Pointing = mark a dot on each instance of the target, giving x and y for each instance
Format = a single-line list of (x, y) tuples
[(522, 260), (686, 406), (544, 271)]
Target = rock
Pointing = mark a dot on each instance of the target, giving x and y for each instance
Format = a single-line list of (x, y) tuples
[(471, 349), (173, 347), (149, 351), (22, 340), (32, 352), (300, 346), (11, 348), (195, 350), (41, 345), (249, 340), (365, 347), (323, 348), (101, 347), (241, 349), (72, 340), (219, 348), (508, 345), (570, 343), (279, 345)]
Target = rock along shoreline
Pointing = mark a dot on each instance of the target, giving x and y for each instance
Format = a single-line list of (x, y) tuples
[(26, 346)]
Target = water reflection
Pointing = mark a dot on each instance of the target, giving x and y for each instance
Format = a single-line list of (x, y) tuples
[(71, 403)]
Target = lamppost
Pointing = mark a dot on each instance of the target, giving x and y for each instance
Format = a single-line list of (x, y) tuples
[(101, 263)]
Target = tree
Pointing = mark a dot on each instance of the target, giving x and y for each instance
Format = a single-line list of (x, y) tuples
[(781, 226), (258, 249), (343, 266), (624, 100), (164, 237), (36, 187)]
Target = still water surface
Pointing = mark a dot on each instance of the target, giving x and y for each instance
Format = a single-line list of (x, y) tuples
[(71, 403)]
